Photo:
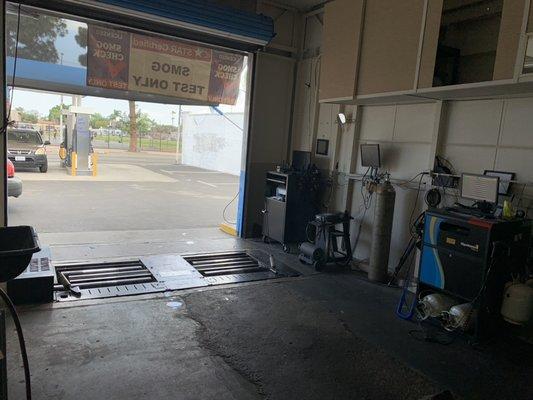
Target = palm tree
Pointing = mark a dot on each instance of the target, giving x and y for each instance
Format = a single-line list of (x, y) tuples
[(133, 127)]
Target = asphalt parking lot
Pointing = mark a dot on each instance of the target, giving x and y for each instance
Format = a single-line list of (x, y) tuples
[(145, 195)]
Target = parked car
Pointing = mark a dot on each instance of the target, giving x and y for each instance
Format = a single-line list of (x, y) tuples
[(26, 149), (14, 184)]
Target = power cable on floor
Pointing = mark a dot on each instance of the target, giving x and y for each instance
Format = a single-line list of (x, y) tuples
[(226, 208), (22, 342)]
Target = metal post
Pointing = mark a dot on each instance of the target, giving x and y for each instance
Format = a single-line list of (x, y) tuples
[(3, 357), (179, 149), (3, 119)]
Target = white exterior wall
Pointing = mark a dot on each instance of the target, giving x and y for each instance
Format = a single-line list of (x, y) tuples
[(212, 142)]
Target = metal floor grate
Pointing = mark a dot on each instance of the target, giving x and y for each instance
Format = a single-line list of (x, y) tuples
[(161, 273), (90, 276), (228, 263), (107, 279)]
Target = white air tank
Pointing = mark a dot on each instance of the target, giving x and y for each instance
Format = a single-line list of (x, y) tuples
[(517, 306)]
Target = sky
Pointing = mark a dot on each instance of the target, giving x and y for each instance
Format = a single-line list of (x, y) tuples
[(69, 49)]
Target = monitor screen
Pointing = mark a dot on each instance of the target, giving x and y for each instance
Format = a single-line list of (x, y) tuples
[(370, 155), (322, 147), (480, 187), (301, 160), (505, 180)]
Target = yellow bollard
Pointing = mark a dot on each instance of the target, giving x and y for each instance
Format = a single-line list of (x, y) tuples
[(74, 162), (95, 164)]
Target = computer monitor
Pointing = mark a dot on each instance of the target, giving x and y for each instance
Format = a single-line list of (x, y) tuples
[(370, 155), (301, 160), (505, 180), (480, 188)]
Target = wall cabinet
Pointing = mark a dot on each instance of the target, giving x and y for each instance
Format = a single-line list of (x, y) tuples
[(369, 47), (470, 41), (378, 51), (340, 50)]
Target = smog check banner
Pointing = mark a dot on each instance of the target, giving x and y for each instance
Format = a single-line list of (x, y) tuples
[(128, 61)]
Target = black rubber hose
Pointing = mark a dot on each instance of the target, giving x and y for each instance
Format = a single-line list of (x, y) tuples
[(22, 343)]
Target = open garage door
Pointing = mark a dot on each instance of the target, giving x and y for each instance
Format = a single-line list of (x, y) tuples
[(202, 21), (134, 183)]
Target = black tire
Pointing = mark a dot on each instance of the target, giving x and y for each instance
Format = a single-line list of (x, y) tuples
[(43, 168), (318, 265)]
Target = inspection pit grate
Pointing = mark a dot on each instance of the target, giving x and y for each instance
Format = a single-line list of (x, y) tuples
[(227, 263), (108, 279), (159, 273)]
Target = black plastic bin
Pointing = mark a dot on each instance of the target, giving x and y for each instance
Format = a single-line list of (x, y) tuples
[(17, 244)]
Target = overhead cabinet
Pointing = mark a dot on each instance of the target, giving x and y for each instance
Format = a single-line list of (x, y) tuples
[(369, 47), (470, 41), (343, 22), (393, 50)]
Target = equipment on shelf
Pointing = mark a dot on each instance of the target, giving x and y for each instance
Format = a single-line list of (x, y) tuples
[(370, 155), (443, 170), (36, 283), (324, 248), (483, 190), (470, 259), (433, 198), (505, 180), (371, 158), (291, 201), (301, 160)]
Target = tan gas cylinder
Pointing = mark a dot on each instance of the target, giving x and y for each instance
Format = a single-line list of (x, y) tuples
[(517, 306)]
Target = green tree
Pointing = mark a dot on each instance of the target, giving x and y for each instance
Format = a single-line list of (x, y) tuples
[(81, 39), (55, 112), (119, 120), (30, 117), (144, 123), (133, 127), (37, 35), (99, 121)]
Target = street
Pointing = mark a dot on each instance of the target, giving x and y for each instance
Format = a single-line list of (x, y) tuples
[(134, 192)]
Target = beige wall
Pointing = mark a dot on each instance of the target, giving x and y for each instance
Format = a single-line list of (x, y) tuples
[(497, 132), (475, 135)]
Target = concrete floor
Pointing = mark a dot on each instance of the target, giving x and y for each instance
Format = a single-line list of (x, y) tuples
[(133, 192), (320, 336)]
